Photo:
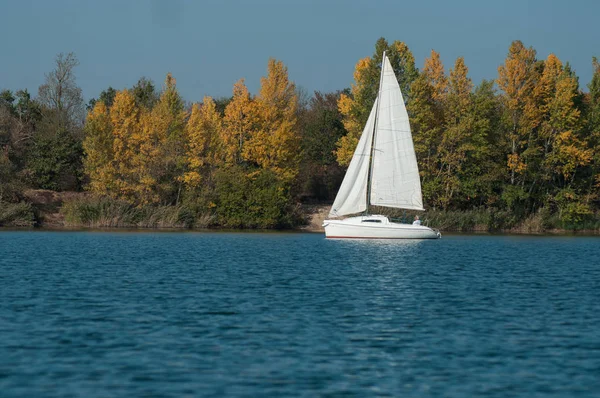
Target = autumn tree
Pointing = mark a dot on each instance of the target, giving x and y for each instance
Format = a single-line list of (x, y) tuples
[(239, 120), (563, 152), (98, 147), (202, 132), (458, 134), (132, 180), (517, 79), (592, 126), (426, 109), (274, 144), (165, 146)]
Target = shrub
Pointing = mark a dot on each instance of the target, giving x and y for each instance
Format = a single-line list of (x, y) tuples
[(16, 214)]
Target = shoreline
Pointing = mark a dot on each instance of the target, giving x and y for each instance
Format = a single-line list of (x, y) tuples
[(47, 206), (565, 233)]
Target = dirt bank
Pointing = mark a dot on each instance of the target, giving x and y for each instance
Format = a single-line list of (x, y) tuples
[(315, 215)]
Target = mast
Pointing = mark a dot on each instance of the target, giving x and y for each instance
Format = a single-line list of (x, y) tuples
[(371, 155)]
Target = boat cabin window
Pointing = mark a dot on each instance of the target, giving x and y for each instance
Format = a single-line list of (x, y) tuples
[(371, 221)]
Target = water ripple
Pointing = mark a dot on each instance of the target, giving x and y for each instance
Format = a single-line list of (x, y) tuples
[(253, 314)]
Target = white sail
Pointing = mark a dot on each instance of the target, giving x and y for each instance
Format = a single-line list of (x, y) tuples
[(352, 195), (395, 176)]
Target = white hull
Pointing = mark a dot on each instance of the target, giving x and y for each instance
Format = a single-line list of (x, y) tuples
[(376, 227)]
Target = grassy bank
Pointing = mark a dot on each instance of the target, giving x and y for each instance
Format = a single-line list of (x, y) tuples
[(102, 212), (94, 212), (493, 220)]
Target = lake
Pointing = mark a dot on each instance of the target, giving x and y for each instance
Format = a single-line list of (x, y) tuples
[(177, 314)]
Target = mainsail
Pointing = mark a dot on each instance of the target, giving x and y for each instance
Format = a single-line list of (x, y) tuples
[(394, 173), (395, 178)]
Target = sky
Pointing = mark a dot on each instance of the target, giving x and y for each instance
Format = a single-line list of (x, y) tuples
[(208, 44)]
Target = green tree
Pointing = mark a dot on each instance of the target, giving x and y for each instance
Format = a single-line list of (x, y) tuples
[(320, 125), (9, 183), (592, 127), (107, 96), (55, 162), (251, 198), (458, 138), (145, 93)]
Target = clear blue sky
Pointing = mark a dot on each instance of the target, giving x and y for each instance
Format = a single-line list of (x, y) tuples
[(210, 44)]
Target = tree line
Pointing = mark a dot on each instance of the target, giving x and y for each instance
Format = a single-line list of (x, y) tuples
[(526, 142)]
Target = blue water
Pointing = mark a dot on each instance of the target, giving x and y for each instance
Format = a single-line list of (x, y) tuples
[(121, 314)]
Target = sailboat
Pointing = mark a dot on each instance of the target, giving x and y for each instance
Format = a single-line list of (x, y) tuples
[(383, 172)]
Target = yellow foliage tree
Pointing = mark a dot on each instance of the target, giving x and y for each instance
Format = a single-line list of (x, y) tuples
[(98, 147), (164, 149), (202, 132), (127, 133), (240, 119), (275, 143), (517, 79), (433, 70), (426, 109), (562, 150), (136, 148)]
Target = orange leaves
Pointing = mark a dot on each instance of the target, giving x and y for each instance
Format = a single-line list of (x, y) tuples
[(459, 90), (568, 154), (517, 76), (539, 97), (435, 75), (139, 159), (515, 164)]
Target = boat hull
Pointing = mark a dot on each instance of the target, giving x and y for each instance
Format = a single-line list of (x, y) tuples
[(376, 227)]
